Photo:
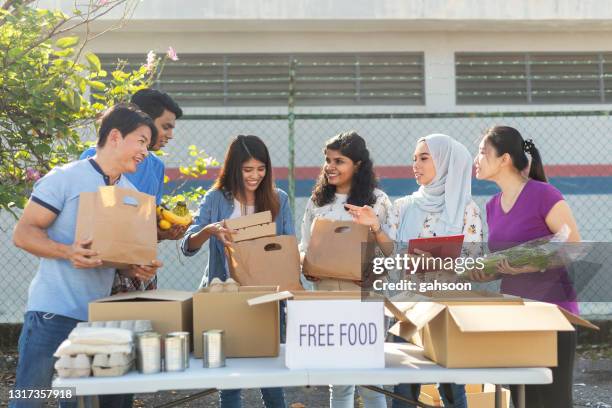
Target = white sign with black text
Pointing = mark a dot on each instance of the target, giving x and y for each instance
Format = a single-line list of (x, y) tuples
[(345, 333)]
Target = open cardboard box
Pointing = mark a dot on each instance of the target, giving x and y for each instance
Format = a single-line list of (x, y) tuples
[(484, 332), (332, 329), (252, 226), (477, 395), (168, 310), (249, 331)]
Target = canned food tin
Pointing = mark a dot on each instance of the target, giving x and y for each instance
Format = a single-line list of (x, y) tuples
[(174, 354), (148, 352), (186, 340), (212, 352)]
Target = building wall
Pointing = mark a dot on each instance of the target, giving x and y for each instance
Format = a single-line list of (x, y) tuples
[(521, 11)]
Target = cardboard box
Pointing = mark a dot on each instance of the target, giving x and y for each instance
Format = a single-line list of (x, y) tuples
[(249, 331), (168, 310), (266, 261), (121, 224), (339, 250), (477, 395), (330, 329), (252, 226), (505, 332)]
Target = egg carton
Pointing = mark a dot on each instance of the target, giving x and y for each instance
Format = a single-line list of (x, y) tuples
[(136, 326), (102, 365), (73, 366), (112, 365), (217, 285)]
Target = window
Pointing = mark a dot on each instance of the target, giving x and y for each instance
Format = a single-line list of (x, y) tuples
[(263, 80), (532, 78)]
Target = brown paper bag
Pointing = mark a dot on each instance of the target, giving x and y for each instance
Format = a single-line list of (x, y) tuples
[(339, 250), (266, 261), (121, 223)]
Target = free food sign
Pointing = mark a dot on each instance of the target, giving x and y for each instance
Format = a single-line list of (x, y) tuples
[(335, 334)]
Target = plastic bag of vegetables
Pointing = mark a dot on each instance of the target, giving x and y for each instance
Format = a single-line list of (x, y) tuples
[(542, 253)]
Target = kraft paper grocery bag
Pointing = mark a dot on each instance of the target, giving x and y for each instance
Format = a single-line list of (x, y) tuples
[(121, 223), (266, 261), (339, 250)]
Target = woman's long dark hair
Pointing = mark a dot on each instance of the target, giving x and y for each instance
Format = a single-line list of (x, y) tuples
[(230, 180), (506, 139), (364, 181)]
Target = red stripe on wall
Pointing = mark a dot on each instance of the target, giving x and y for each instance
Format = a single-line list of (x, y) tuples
[(400, 172)]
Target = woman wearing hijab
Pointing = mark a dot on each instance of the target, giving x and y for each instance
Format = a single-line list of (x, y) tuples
[(441, 206)]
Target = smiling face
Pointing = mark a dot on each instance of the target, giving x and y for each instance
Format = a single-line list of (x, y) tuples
[(165, 129), (339, 170), (423, 165), (253, 172), (131, 149)]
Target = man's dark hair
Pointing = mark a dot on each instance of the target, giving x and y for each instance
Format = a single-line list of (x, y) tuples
[(154, 102), (126, 118)]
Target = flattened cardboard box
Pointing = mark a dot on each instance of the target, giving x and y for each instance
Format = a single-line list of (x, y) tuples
[(249, 331), (168, 310), (496, 333), (477, 395), (252, 226)]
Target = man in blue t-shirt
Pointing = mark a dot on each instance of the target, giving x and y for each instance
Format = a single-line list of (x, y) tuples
[(68, 278), (149, 177)]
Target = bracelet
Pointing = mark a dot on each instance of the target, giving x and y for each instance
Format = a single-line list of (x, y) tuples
[(376, 231)]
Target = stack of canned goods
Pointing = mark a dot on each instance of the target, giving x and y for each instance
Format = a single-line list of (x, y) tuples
[(149, 357), (176, 351)]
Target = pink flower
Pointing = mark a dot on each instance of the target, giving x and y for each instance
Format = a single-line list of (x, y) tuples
[(102, 2), (171, 53), (150, 60), (32, 174)]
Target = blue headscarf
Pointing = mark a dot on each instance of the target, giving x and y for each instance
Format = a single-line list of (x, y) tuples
[(448, 193)]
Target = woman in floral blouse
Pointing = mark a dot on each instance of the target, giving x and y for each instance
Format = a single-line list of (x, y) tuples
[(347, 177), (441, 206)]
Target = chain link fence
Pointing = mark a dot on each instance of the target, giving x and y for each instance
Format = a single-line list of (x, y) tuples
[(576, 148)]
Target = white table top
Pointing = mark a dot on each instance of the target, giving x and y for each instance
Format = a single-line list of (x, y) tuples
[(404, 363)]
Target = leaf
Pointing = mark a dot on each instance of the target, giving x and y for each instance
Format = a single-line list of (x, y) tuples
[(14, 52), (94, 62), (97, 85), (68, 52), (42, 149), (82, 85), (67, 42), (120, 75)]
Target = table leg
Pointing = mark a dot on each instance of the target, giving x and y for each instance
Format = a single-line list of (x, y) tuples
[(521, 396), (88, 401), (498, 396)]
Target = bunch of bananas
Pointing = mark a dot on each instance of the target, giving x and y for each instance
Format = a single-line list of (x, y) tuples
[(179, 215)]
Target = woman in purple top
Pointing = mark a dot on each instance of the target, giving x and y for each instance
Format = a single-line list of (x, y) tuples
[(528, 208)]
